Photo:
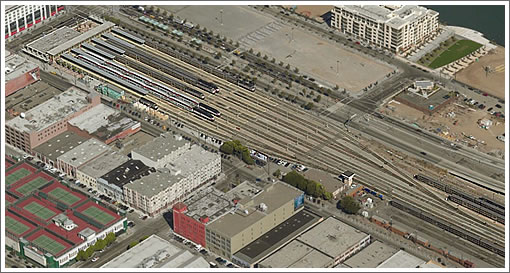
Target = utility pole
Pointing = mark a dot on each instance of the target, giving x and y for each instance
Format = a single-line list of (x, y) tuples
[(221, 17)]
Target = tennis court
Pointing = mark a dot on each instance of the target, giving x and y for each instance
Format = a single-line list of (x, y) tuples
[(17, 175), (15, 226), (48, 244), (39, 211), (64, 196), (98, 215), (32, 185)]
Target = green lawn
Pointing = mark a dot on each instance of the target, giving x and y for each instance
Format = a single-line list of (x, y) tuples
[(454, 52)]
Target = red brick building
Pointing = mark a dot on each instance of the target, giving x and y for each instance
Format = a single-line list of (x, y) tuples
[(19, 73), (188, 227)]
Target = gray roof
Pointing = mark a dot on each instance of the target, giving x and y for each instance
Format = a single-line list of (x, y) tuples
[(402, 259), (296, 255), (93, 119), (80, 39), (60, 145), (396, 18), (51, 111), (424, 84), (15, 66), (54, 39), (193, 159), (103, 164), (86, 232), (84, 152), (273, 196), (209, 202), (372, 256), (332, 237), (155, 182), (160, 147), (155, 252)]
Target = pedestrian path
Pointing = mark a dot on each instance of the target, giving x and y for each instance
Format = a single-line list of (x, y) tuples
[(253, 37)]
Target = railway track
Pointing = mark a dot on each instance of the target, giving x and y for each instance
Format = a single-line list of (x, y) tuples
[(241, 109)]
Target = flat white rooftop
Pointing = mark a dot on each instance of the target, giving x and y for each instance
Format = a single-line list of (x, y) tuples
[(402, 259), (155, 252), (93, 119), (84, 152), (51, 111), (296, 255), (15, 66), (192, 160)]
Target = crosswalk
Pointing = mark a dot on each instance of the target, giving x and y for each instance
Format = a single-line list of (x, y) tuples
[(253, 37)]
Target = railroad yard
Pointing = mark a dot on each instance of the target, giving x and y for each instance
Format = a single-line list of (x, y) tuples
[(200, 94)]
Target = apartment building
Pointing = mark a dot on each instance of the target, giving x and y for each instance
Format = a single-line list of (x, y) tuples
[(19, 18), (397, 28)]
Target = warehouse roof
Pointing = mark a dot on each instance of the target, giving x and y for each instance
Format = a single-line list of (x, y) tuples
[(160, 147), (51, 111), (332, 237), (84, 152), (207, 202), (402, 259), (93, 119), (372, 256), (193, 159), (81, 38), (155, 182), (296, 255), (15, 66), (60, 145), (54, 39), (125, 173), (103, 164), (155, 252), (273, 196), (117, 123)]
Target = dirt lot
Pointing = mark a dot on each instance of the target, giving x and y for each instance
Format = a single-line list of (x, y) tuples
[(466, 125), (494, 83), (313, 11), (319, 58)]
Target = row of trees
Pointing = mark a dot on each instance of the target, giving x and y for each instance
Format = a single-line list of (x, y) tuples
[(134, 243), (98, 246), (236, 148), (310, 187)]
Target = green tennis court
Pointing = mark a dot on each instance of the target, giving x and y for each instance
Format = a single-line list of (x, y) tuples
[(99, 215), (32, 185), (15, 226), (48, 244), (64, 196), (39, 211), (17, 175)]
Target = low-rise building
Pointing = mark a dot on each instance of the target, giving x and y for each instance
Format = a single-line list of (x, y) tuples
[(89, 172), (331, 184), (104, 123), (49, 119), (402, 259), (112, 183), (19, 72), (372, 256), (49, 151), (154, 193), (233, 220), (81, 155), (155, 252), (161, 150), (325, 245)]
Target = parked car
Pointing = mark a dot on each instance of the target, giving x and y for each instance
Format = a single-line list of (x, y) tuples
[(95, 259), (145, 217)]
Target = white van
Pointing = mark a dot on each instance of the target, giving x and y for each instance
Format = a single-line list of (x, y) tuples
[(213, 265)]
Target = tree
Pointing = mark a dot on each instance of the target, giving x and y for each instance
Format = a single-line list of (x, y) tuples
[(81, 256), (309, 106), (277, 173), (227, 148), (288, 66), (251, 50), (247, 157), (348, 205), (296, 70), (327, 195), (143, 238), (337, 87), (132, 244), (265, 57), (281, 63), (258, 54), (218, 55), (110, 238), (317, 99), (310, 188), (89, 252), (302, 184), (99, 245)]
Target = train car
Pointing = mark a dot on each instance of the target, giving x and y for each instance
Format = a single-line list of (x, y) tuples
[(203, 114), (110, 37), (208, 86), (149, 103), (209, 109), (248, 85), (129, 36), (496, 204)]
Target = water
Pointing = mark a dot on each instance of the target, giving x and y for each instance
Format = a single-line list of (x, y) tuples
[(489, 20)]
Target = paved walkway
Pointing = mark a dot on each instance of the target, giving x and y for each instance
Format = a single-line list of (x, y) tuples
[(472, 35), (431, 45)]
